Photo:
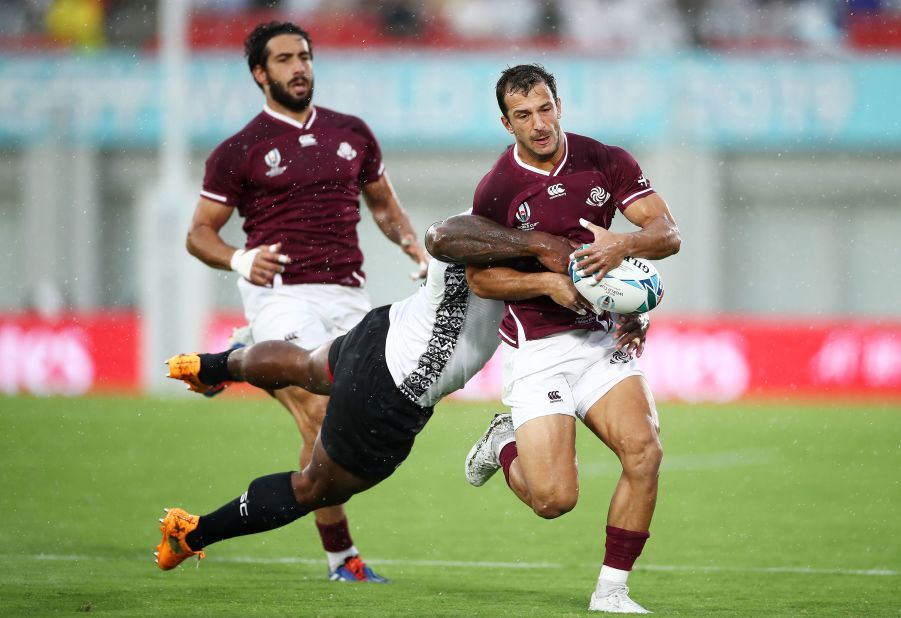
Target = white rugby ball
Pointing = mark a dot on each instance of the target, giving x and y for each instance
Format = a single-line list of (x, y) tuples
[(632, 287)]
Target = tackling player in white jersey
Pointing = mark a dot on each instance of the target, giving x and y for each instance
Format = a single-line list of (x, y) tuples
[(384, 377)]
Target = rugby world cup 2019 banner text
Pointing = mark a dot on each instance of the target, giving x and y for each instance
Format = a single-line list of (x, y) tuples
[(434, 101), (693, 359)]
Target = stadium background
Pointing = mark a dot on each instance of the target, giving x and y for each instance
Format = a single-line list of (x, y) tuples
[(772, 128)]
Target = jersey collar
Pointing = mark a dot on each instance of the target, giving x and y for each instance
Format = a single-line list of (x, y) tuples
[(288, 120), (537, 170)]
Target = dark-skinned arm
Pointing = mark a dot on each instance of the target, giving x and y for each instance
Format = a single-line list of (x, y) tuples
[(504, 283), (471, 239)]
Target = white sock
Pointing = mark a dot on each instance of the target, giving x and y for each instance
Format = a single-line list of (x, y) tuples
[(337, 558), (610, 579)]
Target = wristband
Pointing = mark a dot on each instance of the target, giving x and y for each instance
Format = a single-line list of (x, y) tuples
[(242, 262)]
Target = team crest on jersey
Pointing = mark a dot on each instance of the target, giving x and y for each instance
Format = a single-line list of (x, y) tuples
[(557, 190), (307, 139), (523, 214), (597, 197), (346, 151), (644, 182), (273, 158)]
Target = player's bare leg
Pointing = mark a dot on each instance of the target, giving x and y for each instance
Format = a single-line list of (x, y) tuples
[(272, 365), (626, 420), (544, 475), (279, 366)]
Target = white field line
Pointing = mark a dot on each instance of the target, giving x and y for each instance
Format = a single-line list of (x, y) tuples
[(464, 564)]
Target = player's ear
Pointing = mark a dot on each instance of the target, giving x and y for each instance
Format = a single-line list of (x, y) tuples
[(559, 108), (506, 124), (259, 75)]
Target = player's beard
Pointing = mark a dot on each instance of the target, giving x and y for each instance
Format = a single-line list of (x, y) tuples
[(282, 96)]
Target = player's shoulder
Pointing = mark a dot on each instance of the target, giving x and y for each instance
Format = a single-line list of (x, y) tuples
[(499, 174), (260, 128), (340, 120), (596, 152)]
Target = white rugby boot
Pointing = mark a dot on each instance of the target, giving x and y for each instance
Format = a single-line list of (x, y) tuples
[(617, 601), (482, 461)]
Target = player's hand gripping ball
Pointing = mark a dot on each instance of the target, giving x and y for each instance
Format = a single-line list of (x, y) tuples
[(632, 287)]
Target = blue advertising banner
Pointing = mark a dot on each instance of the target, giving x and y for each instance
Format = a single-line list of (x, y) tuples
[(435, 101)]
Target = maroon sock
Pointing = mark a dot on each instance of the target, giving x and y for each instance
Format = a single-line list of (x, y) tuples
[(335, 537), (623, 547), (506, 456)]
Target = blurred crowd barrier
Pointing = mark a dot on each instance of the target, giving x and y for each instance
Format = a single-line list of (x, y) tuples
[(595, 26), (435, 102), (719, 359), (782, 172)]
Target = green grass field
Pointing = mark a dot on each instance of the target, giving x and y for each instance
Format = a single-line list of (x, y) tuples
[(764, 510)]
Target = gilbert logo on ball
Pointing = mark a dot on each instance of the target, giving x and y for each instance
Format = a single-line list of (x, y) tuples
[(634, 286)]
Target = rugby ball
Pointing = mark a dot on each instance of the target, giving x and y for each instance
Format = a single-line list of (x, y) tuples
[(632, 287)]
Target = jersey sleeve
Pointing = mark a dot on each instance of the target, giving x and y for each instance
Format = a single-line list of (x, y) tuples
[(630, 183), (373, 167), (222, 177)]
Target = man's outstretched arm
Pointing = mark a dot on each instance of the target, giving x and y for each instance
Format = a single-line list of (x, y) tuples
[(471, 239)]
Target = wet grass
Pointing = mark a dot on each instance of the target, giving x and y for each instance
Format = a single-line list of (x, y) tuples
[(764, 510)]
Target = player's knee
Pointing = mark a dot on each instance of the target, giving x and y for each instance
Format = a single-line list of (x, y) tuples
[(313, 491), (554, 504), (642, 457)]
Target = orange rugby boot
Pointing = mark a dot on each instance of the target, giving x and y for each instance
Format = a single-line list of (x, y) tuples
[(186, 367), (173, 549)]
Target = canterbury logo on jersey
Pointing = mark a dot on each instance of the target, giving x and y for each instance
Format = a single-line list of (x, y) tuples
[(556, 190), (554, 396), (307, 139)]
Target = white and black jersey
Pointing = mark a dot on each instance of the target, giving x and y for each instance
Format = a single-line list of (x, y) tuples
[(441, 336), (390, 370)]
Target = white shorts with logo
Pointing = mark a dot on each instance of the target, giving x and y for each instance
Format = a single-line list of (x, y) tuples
[(307, 314), (562, 374)]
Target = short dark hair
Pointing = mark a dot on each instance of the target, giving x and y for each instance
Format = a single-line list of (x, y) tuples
[(255, 43), (522, 78)]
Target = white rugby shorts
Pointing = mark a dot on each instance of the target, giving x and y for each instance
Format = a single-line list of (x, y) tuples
[(562, 374), (306, 314)]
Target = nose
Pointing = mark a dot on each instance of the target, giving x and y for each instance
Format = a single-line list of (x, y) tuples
[(539, 123)]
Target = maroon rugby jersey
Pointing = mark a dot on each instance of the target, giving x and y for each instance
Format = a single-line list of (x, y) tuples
[(299, 184), (591, 181)]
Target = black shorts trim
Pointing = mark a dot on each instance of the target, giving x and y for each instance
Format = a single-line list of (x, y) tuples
[(369, 425)]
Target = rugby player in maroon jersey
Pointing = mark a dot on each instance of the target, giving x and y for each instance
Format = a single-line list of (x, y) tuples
[(560, 361), (384, 377), (295, 174)]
